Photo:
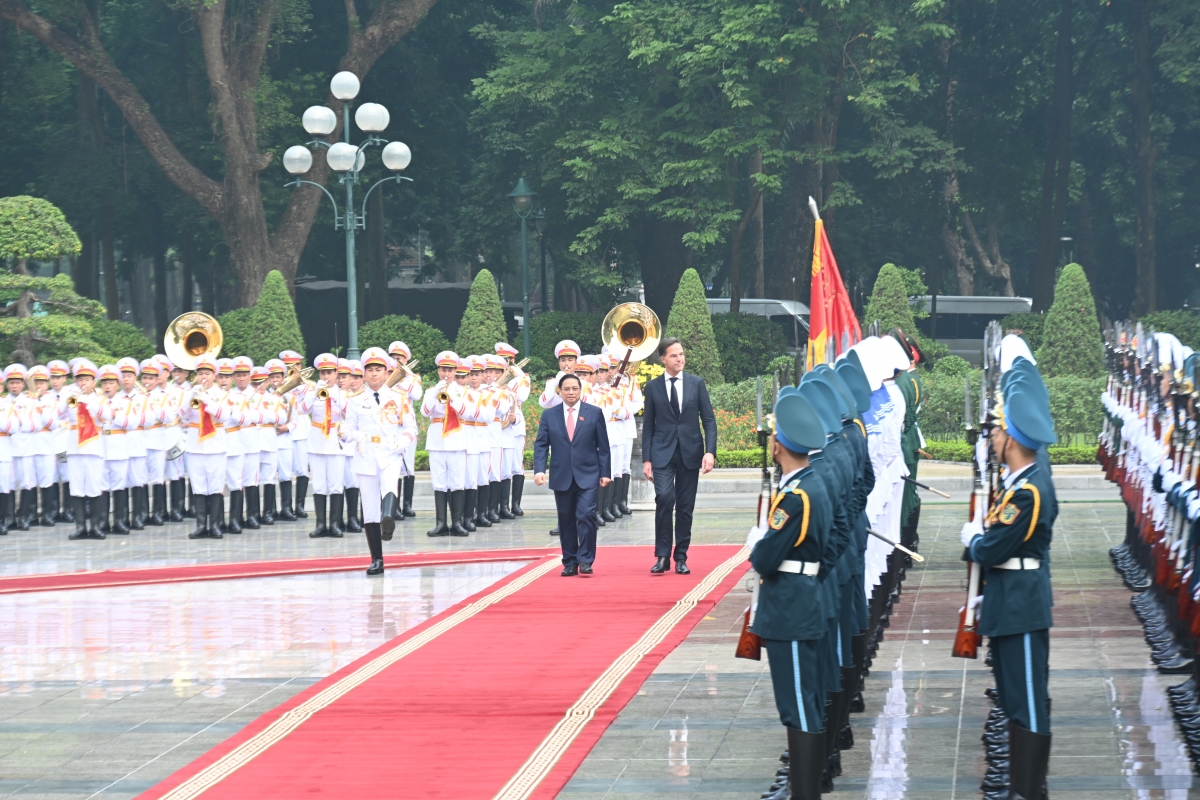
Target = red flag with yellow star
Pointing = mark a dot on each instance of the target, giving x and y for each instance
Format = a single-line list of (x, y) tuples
[(830, 312)]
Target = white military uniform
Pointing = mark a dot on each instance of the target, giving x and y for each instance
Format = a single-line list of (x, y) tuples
[(447, 449), (85, 454), (376, 434), (176, 470), (205, 450), (326, 459)]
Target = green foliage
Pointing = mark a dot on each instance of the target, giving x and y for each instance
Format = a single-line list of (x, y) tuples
[(743, 459), (1075, 405), (1028, 326), (1184, 324), (121, 339), (953, 366), (741, 399), (961, 452), (889, 303), (550, 328), (942, 403), (482, 323), (32, 228), (748, 343), (424, 340), (1071, 343), (914, 286), (690, 323), (267, 329)]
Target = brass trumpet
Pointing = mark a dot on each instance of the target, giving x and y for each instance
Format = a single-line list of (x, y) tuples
[(510, 372), (72, 401), (443, 395), (401, 372), (323, 393), (197, 402)]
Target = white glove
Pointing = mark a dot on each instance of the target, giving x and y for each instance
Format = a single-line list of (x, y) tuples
[(969, 531), (755, 536), (977, 602)]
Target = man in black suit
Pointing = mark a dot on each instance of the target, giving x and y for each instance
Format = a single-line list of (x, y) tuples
[(676, 403), (577, 434)]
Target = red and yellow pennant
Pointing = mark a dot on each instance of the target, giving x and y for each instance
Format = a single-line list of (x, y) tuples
[(830, 311), (86, 425), (208, 428)]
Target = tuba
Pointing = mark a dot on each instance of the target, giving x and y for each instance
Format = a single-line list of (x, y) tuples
[(190, 336), (510, 372), (294, 379), (401, 372), (633, 328)]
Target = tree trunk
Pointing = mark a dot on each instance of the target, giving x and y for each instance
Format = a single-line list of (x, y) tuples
[(735, 258), (112, 300), (1145, 154), (187, 288), (756, 229), (1056, 170), (952, 240), (377, 299)]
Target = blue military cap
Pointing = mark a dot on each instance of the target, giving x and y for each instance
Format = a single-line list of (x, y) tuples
[(1021, 367), (829, 376), (797, 426), (856, 382), (1026, 417), (825, 402), (1030, 384)]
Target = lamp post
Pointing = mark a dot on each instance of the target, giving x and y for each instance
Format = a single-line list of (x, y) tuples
[(522, 200), (347, 160)]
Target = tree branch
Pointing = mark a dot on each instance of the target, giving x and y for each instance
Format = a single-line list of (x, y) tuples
[(89, 57)]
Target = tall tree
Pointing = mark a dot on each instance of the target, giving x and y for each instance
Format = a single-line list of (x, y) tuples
[(1145, 155)]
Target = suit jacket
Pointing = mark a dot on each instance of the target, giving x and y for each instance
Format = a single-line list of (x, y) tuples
[(662, 428), (584, 458)]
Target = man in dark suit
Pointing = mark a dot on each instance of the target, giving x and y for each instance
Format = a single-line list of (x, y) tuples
[(676, 404), (578, 436)]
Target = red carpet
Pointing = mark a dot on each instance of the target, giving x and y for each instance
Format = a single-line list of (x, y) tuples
[(501, 696), (14, 584)]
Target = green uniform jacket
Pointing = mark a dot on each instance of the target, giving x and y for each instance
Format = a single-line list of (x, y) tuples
[(1020, 525), (790, 605), (910, 386)]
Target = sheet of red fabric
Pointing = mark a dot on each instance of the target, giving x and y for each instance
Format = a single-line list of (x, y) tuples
[(460, 715), (14, 584)]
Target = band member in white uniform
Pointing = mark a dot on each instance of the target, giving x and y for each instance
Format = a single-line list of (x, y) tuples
[(502, 404), (205, 410), (130, 401), (154, 437), (514, 448), (301, 424), (326, 405), (567, 353), (273, 413), (375, 430), (59, 372), (235, 436), (25, 410), (445, 440), (412, 387), (40, 464), (79, 410), (283, 446), (252, 446), (8, 421), (478, 446), (175, 386)]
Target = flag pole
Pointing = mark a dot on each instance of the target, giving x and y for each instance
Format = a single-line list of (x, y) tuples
[(812, 206)]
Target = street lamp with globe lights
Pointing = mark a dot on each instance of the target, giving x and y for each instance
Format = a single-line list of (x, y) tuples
[(522, 200), (347, 160)]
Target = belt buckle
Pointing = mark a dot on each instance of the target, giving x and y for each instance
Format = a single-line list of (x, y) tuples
[(375, 440)]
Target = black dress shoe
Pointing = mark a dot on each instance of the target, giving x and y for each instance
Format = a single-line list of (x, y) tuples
[(681, 568), (585, 569), (554, 531), (376, 567), (569, 571), (660, 566)]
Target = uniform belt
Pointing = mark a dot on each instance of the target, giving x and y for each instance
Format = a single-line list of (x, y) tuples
[(437, 419), (156, 426), (810, 568), (376, 439), (235, 428), (116, 433), (215, 425), (1020, 563)]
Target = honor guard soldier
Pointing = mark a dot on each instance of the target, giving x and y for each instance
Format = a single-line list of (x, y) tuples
[(246, 403), (614, 413), (113, 419), (1013, 545), (154, 434), (567, 353), (444, 405), (789, 557), (25, 412), (499, 483), (8, 484), (176, 474), (252, 446), (238, 428), (411, 386), (281, 436), (908, 381), (59, 373), (519, 386), (327, 405), (79, 410), (478, 399), (205, 409), (272, 413), (300, 468), (376, 432), (41, 463), (352, 386), (133, 397)]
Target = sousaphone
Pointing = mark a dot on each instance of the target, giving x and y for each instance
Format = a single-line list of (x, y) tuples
[(631, 328), (190, 336)]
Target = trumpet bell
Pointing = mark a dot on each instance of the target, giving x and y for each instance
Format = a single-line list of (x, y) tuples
[(631, 330), (190, 336)]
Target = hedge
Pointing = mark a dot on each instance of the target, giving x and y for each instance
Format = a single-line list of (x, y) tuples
[(547, 330), (1071, 343), (1184, 324), (747, 343), (423, 339), (1028, 326), (266, 329), (961, 452)]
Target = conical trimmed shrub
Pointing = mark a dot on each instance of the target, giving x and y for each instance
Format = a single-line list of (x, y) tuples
[(690, 323), (482, 323), (889, 303), (267, 329), (1071, 342)]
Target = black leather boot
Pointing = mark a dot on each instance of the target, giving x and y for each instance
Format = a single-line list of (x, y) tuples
[(410, 483), (178, 490), (190, 511), (99, 512), (49, 506), (137, 520), (440, 528), (468, 520), (483, 494), (268, 505), (603, 503), (457, 499), (26, 510), (6, 503), (216, 516), (388, 510), (518, 488), (806, 763), (120, 509), (158, 505), (600, 491), (1030, 758), (285, 502), (505, 489), (199, 506), (92, 509), (493, 512), (236, 499), (375, 543), (81, 529), (624, 504), (614, 498), (252, 509), (353, 510), (334, 529), (319, 509), (301, 496), (66, 507)]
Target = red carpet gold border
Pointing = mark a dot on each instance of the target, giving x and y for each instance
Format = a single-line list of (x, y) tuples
[(533, 771), (255, 746)]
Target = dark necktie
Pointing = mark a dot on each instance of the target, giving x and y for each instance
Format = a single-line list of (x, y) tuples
[(675, 398), (376, 398)]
